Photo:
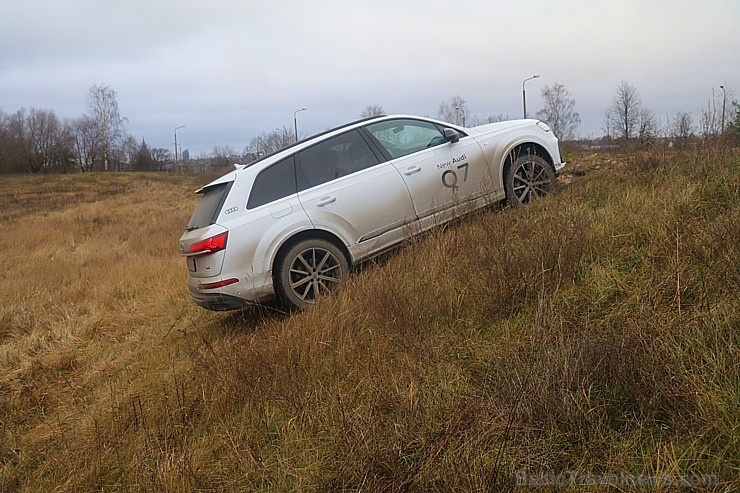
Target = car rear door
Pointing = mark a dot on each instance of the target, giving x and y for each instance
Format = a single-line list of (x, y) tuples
[(347, 188), (200, 261)]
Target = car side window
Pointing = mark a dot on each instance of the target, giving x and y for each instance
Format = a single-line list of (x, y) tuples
[(339, 156), (273, 183), (403, 137)]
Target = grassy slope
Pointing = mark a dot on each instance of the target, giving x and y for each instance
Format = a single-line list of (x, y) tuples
[(595, 331)]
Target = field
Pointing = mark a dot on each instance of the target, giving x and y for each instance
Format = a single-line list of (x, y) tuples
[(595, 331)]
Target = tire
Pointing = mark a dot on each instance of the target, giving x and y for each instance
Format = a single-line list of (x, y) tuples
[(530, 177), (309, 270)]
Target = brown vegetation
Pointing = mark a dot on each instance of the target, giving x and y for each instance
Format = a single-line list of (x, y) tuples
[(593, 331)]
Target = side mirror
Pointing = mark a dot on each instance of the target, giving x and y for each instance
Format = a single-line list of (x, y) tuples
[(451, 135)]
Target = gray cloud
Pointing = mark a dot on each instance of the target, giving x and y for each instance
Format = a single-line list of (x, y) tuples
[(232, 69)]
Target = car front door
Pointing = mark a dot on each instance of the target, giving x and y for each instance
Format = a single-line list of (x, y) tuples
[(442, 176), (346, 187)]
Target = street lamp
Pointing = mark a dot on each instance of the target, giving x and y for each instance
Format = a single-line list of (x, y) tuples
[(524, 93), (459, 114), (724, 97), (295, 122), (176, 129)]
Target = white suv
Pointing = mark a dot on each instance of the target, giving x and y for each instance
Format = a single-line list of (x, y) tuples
[(293, 224)]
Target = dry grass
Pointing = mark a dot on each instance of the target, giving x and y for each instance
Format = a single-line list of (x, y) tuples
[(594, 331)]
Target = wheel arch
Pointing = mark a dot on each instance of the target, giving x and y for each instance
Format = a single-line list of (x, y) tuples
[(309, 234), (527, 148)]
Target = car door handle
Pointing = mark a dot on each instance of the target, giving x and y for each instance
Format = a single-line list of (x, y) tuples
[(411, 170), (325, 201)]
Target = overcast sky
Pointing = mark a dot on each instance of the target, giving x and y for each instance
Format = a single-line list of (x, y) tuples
[(231, 69)]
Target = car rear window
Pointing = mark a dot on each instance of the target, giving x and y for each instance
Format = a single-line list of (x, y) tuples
[(209, 206)]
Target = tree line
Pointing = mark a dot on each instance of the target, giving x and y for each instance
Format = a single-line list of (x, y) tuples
[(627, 120), (36, 140)]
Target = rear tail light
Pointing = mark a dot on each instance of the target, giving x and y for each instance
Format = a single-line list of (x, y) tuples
[(211, 245)]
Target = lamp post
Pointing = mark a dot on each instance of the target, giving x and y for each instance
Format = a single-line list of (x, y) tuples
[(460, 115), (724, 98), (176, 129), (295, 122), (524, 93)]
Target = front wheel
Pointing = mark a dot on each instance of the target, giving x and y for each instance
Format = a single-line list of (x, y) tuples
[(309, 270), (528, 178)]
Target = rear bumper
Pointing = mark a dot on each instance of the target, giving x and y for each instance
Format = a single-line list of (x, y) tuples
[(248, 291), (217, 302)]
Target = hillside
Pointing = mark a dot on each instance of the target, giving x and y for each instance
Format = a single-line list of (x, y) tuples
[(595, 331)]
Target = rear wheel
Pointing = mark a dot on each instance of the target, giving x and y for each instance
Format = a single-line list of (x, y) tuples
[(309, 270), (528, 178)]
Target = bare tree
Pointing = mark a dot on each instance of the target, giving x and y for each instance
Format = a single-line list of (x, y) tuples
[(559, 111), (681, 128), (6, 163), (625, 111), (44, 132), (86, 143), (474, 121), (454, 111), (160, 157), (20, 140), (130, 147), (648, 127), (16, 142), (38, 140), (710, 122), (223, 155), (269, 142), (103, 107), (372, 110), (491, 119), (607, 128)]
